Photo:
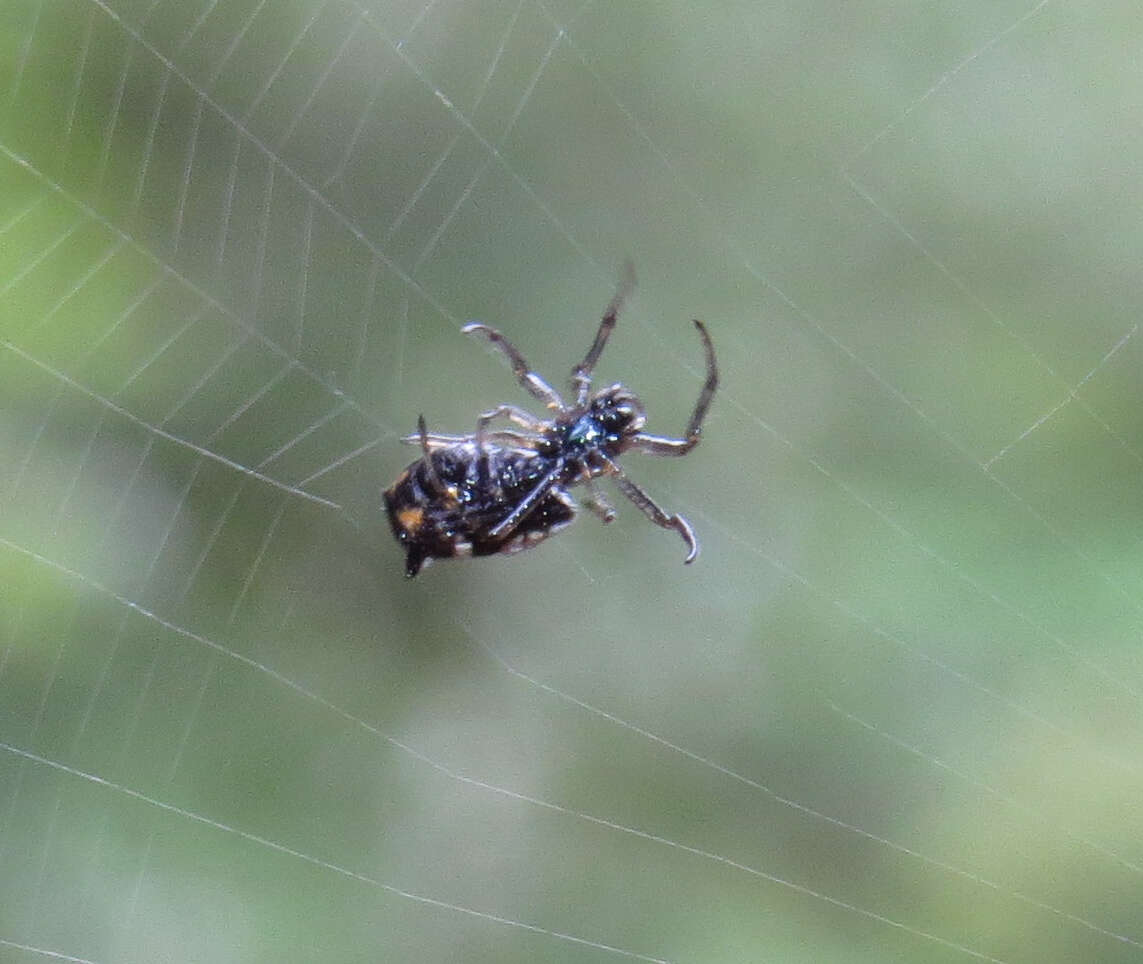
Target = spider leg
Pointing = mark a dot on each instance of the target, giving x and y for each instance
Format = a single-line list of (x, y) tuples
[(508, 439), (505, 438), (426, 456), (655, 514), (528, 503), (581, 374), (434, 439), (518, 415), (597, 503), (658, 444), (531, 382)]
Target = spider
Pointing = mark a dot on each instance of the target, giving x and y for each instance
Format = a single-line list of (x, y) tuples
[(507, 490)]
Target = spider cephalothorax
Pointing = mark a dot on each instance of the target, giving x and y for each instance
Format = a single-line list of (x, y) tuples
[(506, 490)]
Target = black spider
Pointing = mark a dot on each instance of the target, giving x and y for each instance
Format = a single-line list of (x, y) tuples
[(506, 490)]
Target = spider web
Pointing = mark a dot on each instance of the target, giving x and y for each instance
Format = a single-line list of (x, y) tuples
[(892, 713)]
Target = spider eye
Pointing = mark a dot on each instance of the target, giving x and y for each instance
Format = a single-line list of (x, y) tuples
[(619, 411)]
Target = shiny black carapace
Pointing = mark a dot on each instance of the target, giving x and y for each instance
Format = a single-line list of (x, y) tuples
[(506, 490)]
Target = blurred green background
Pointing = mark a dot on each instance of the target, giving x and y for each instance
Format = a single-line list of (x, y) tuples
[(893, 712)]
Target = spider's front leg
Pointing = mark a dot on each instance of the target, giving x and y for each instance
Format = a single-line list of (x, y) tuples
[(581, 374), (528, 379), (660, 445)]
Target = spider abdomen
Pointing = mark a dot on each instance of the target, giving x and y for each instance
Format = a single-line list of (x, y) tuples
[(455, 513)]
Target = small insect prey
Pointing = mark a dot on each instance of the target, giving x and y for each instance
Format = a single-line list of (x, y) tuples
[(507, 490)]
